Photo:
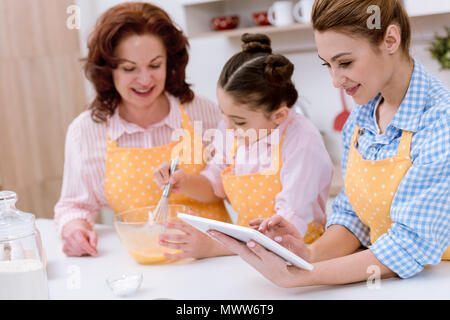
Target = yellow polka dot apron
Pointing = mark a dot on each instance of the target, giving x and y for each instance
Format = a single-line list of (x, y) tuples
[(130, 184), (371, 185), (253, 195)]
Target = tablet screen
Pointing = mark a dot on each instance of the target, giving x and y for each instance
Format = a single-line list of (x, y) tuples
[(245, 234)]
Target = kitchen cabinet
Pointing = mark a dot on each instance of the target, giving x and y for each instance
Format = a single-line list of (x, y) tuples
[(198, 15), (269, 30), (430, 7)]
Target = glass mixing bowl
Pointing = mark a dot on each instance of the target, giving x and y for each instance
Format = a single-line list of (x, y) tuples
[(140, 239)]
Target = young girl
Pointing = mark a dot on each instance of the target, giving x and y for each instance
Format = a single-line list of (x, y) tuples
[(395, 200), (256, 96)]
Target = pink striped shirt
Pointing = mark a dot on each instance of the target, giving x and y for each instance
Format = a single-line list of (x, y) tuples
[(306, 169), (83, 188)]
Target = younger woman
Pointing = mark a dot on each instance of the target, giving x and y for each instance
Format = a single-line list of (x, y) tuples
[(395, 200), (276, 163)]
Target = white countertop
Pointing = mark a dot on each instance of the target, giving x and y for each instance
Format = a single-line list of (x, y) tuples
[(226, 278)]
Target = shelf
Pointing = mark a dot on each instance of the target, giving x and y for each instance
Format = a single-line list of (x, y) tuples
[(257, 29), (197, 2), (199, 13), (424, 8)]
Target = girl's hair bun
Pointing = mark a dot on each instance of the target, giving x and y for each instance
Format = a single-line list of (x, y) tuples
[(257, 78), (278, 70), (255, 42)]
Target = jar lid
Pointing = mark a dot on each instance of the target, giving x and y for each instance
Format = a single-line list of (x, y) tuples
[(13, 223)]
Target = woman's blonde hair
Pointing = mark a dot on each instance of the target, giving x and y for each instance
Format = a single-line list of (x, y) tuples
[(353, 17)]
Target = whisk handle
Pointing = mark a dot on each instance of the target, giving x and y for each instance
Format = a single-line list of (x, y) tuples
[(168, 187), (167, 190)]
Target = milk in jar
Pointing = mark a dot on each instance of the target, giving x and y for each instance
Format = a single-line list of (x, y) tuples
[(22, 262)]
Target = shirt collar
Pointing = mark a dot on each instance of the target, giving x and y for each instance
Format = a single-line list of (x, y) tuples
[(411, 109), (281, 128), (118, 126)]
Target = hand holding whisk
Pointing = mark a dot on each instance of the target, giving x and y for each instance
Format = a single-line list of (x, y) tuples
[(159, 215)]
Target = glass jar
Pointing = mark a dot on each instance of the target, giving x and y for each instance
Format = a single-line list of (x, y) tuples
[(22, 261)]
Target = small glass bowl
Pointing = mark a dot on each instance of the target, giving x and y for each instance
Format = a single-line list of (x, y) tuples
[(124, 284)]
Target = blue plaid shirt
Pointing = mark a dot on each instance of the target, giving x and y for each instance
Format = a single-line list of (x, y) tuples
[(420, 211)]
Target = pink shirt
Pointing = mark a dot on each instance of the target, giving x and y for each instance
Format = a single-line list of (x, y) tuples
[(83, 189), (306, 169)]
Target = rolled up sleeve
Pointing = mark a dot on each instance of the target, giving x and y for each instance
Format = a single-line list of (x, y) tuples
[(343, 214)]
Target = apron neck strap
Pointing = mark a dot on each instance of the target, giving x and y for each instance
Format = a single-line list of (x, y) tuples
[(109, 141), (185, 121), (404, 147), (236, 146), (355, 136)]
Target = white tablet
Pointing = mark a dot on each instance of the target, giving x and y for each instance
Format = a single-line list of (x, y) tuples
[(245, 234)]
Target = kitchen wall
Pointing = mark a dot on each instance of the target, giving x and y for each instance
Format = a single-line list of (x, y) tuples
[(317, 94), (41, 92)]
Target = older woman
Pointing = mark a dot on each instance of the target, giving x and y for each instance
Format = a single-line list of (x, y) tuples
[(136, 62), (395, 202)]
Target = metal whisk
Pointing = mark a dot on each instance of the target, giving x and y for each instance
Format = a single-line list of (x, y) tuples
[(159, 215)]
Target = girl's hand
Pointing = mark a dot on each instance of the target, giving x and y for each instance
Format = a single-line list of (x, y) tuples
[(283, 232), (177, 179), (265, 262), (79, 239), (193, 243)]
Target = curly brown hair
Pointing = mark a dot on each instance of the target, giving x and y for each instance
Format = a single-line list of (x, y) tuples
[(114, 25)]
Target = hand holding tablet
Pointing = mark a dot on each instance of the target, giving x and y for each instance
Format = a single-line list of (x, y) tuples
[(245, 234)]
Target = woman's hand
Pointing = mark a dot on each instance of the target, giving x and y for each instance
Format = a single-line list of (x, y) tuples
[(177, 179), (79, 239), (192, 243), (267, 263), (285, 233)]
